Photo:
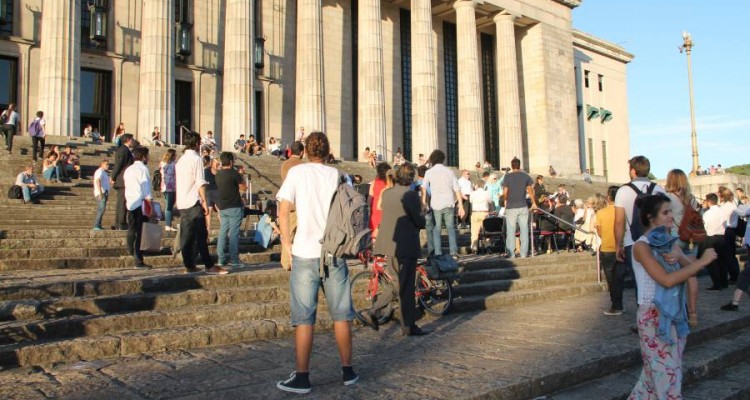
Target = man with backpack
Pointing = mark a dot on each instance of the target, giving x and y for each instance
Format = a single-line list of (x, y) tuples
[(627, 221), (309, 188), (37, 132)]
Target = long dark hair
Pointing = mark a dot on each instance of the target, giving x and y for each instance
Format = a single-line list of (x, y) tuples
[(649, 207)]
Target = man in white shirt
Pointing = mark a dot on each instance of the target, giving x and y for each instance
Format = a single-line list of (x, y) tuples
[(444, 193), (715, 223), (209, 142), (101, 192), (191, 201), (37, 132), (481, 201), (138, 202), (640, 167), (30, 187), (728, 208), (464, 183), (309, 188)]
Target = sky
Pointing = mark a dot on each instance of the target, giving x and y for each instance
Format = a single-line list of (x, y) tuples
[(658, 98)]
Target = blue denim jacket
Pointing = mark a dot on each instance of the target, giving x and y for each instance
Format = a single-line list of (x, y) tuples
[(670, 301)]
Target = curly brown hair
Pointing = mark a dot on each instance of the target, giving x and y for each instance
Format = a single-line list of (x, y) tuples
[(317, 146)]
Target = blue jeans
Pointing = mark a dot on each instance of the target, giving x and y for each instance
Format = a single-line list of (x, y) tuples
[(517, 217), (305, 283), (169, 198), (102, 203), (231, 218), (447, 216), (429, 226), (52, 173), (27, 192)]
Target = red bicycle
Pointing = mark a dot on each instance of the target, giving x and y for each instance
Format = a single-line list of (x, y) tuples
[(435, 296)]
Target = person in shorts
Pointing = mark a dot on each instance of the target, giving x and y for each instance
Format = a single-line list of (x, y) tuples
[(309, 188)]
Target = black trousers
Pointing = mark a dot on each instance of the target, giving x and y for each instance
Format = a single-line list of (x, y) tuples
[(120, 211), (719, 268), (406, 270), (9, 130), (135, 232), (615, 273), (730, 236), (37, 143), (193, 233)]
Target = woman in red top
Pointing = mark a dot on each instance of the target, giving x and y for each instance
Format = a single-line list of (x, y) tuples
[(376, 188)]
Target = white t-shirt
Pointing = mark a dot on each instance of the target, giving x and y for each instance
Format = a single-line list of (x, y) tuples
[(189, 175), (137, 185), (103, 176), (645, 283), (309, 187), (626, 199), (465, 186), (480, 200)]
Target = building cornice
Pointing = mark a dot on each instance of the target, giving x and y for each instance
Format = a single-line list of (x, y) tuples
[(600, 46), (569, 3)]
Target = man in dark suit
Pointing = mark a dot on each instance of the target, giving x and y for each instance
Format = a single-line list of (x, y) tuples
[(123, 159), (398, 240)]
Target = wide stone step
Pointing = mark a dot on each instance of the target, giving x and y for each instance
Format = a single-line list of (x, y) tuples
[(158, 340), (700, 363), (113, 262), (491, 287), (727, 384), (117, 251), (515, 296), (490, 273), (94, 243)]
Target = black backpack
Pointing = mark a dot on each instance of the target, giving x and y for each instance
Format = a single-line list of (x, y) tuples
[(636, 228), (156, 181), (15, 192)]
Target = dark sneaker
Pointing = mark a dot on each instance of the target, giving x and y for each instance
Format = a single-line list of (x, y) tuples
[(143, 266), (191, 270), (415, 331), (350, 377), (295, 384), (730, 307), (613, 311)]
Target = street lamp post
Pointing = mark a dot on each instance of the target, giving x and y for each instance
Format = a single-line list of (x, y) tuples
[(687, 46)]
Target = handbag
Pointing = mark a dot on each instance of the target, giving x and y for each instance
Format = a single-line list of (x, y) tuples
[(151, 237)]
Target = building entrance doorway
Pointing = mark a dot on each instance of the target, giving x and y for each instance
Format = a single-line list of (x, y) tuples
[(183, 104)]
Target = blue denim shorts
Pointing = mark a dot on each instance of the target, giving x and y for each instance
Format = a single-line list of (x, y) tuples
[(305, 283)]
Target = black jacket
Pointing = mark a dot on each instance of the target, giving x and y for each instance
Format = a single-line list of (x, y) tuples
[(123, 159)]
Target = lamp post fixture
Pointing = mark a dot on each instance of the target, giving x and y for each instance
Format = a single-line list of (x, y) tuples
[(687, 46)]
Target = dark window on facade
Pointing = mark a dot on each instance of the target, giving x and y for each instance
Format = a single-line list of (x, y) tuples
[(451, 92), (96, 100), (586, 78), (406, 80), (604, 159), (591, 156), (183, 95), (8, 81), (489, 92), (86, 41), (355, 79), (260, 135), (182, 11), (6, 26), (601, 83)]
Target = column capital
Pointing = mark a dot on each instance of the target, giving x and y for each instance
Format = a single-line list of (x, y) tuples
[(505, 16), (465, 3)]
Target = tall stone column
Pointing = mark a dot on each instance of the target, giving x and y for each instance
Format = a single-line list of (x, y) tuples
[(470, 123), (509, 113), (60, 68), (310, 106), (237, 109), (424, 99), (156, 88), (370, 82)]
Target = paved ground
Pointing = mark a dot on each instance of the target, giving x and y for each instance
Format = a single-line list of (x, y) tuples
[(466, 355)]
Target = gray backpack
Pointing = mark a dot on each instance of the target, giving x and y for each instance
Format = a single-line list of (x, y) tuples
[(347, 232)]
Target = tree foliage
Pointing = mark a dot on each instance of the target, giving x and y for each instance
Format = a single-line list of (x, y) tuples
[(743, 169)]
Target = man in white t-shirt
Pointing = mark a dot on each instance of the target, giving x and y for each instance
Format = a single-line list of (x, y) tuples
[(481, 201), (101, 192), (640, 167), (308, 188), (464, 183)]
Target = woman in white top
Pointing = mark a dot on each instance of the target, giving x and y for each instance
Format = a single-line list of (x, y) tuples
[(680, 196), (662, 358), (168, 186)]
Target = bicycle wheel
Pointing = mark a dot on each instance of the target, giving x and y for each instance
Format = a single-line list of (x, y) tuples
[(435, 295), (363, 296)]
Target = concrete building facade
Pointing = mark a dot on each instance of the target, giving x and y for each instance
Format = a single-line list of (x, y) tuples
[(481, 80)]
